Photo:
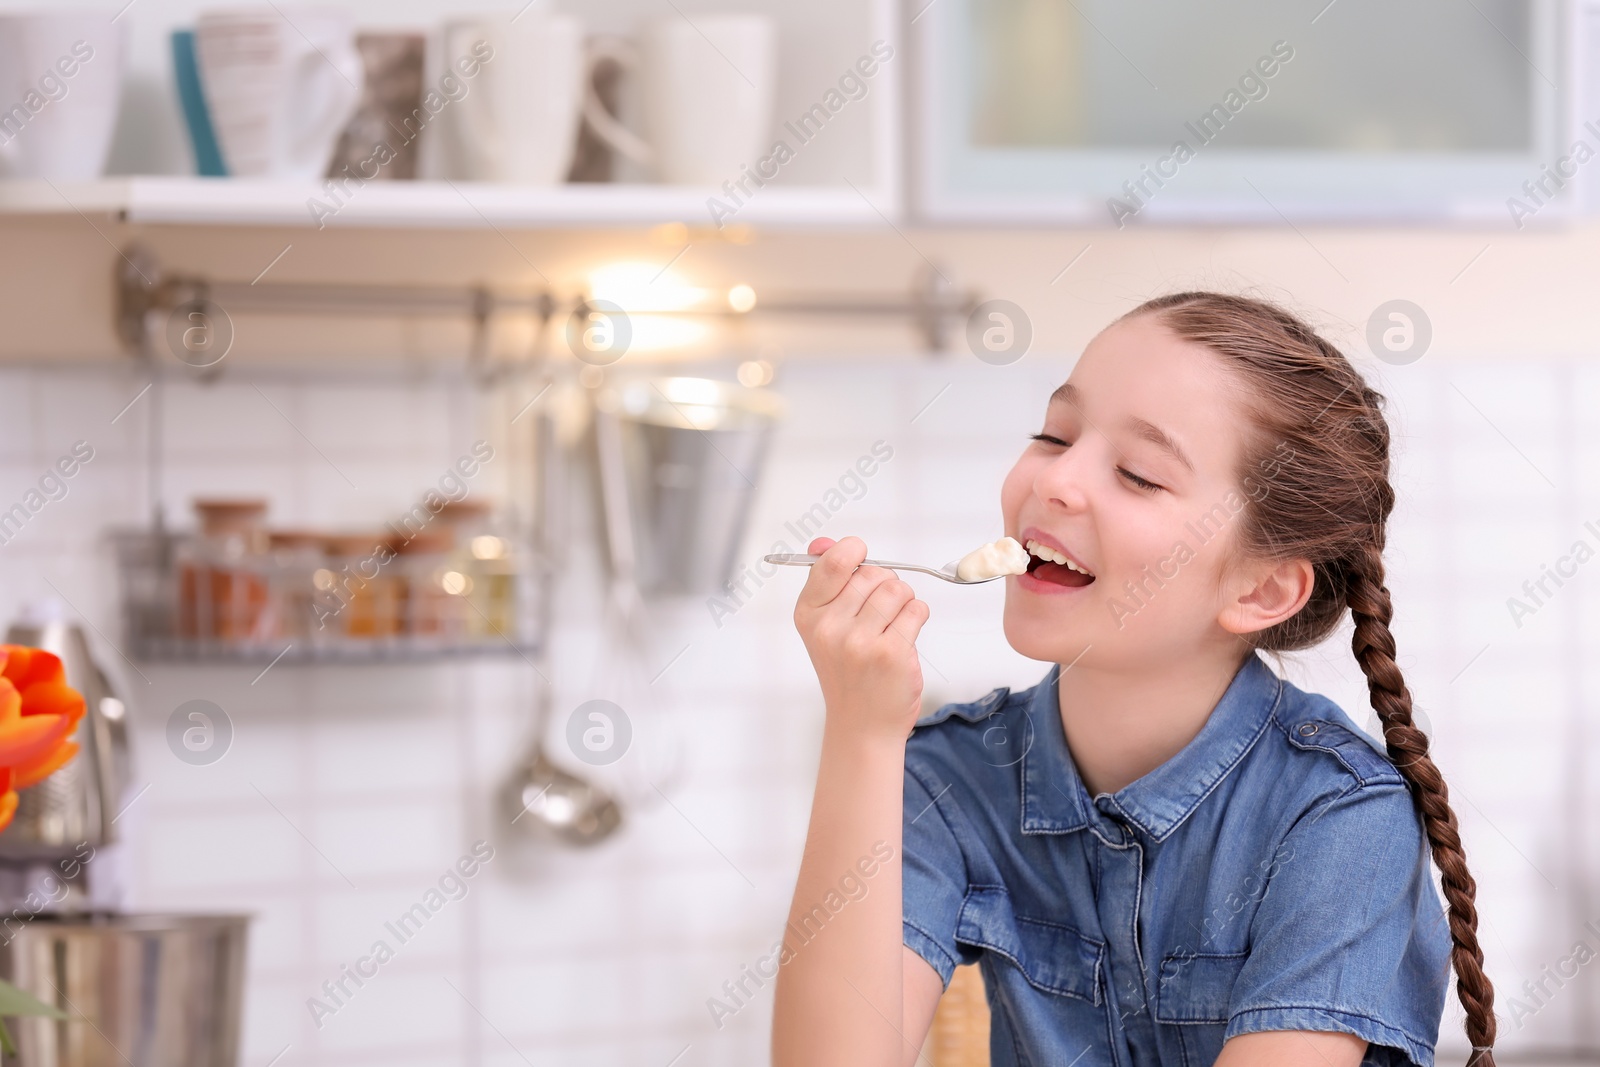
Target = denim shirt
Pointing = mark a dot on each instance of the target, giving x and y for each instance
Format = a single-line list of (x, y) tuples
[(1273, 875)]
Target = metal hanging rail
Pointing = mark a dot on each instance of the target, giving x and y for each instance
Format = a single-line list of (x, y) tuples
[(934, 306)]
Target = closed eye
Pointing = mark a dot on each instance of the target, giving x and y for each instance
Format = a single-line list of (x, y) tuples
[(1138, 482)]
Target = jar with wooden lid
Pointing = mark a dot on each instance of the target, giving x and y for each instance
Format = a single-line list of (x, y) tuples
[(222, 579), (485, 565), (356, 595), (297, 556), (465, 518), (490, 562), (430, 591)]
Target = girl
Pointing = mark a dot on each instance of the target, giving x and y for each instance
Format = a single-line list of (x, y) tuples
[(1162, 853)]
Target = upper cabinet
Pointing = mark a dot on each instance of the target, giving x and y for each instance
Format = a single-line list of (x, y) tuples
[(605, 112), (1099, 111), (777, 113)]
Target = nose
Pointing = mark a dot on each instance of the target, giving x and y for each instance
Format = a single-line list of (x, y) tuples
[(1064, 482)]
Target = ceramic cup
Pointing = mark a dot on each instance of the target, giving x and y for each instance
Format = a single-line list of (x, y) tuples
[(391, 98), (706, 90), (280, 85), (516, 120), (60, 87)]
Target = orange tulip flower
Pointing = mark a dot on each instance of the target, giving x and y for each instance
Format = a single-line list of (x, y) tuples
[(39, 712)]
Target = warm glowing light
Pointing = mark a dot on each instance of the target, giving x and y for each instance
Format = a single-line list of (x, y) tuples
[(488, 546), (741, 298), (675, 234), (755, 373), (455, 583), (637, 287), (655, 333)]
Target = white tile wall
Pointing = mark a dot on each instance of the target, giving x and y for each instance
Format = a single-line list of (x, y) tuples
[(349, 790)]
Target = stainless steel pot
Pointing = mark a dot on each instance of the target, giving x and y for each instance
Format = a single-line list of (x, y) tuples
[(77, 804), (692, 449), (141, 990)]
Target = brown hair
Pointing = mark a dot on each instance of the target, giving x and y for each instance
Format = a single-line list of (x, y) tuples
[(1328, 503)]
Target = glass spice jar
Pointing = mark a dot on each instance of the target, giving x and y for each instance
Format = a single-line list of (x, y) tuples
[(223, 589), (484, 568), (492, 567), (430, 591), (356, 594), (297, 556)]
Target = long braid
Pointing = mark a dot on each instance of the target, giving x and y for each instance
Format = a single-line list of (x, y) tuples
[(1373, 645), (1329, 503)]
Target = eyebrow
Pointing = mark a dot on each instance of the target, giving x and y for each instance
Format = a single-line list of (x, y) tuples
[(1068, 393)]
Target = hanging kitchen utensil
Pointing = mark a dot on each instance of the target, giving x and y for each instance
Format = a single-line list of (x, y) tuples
[(549, 798), (625, 596), (692, 451), (623, 670), (78, 803), (539, 794)]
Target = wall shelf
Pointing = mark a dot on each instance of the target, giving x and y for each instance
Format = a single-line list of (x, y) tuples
[(471, 205)]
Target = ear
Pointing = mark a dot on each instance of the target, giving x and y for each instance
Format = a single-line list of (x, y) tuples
[(1263, 597)]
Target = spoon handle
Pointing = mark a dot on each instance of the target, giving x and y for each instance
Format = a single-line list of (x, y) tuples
[(802, 559)]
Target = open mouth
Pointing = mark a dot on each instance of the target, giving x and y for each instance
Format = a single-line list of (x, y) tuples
[(1048, 565)]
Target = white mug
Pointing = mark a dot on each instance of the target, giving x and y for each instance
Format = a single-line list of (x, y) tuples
[(279, 86), (60, 87), (517, 119), (706, 89)]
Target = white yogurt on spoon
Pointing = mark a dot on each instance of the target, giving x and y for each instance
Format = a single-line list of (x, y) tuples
[(1005, 556)]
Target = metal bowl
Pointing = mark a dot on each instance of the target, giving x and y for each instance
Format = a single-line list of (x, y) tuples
[(143, 989)]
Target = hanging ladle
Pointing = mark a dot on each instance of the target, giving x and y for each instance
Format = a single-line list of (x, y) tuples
[(552, 799), (575, 810)]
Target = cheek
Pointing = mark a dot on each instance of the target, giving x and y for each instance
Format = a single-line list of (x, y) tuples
[(1184, 583), (1138, 538)]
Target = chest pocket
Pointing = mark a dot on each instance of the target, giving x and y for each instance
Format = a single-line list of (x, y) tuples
[(1052, 956), (1195, 993), (1197, 988)]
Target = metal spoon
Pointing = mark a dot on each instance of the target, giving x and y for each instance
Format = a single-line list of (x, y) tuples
[(947, 572)]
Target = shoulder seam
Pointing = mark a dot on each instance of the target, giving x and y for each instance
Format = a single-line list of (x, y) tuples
[(1390, 776), (1328, 798)]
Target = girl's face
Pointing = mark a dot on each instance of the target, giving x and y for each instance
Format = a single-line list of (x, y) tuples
[(1134, 479)]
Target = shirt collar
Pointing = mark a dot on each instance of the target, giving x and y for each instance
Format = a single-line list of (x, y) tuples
[(1054, 799)]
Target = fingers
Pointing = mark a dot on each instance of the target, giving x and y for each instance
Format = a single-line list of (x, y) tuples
[(884, 601), (908, 623), (862, 584), (874, 596), (829, 575)]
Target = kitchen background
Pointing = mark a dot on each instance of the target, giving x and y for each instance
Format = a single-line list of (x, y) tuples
[(346, 789)]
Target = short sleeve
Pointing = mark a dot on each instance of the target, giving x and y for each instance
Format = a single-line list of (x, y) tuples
[(933, 879), (1350, 934)]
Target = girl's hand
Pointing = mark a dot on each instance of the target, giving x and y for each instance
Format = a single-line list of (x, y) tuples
[(860, 626)]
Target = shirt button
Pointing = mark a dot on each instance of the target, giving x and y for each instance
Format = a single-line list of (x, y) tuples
[(1307, 729)]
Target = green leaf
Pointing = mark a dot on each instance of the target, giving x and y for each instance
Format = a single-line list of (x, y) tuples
[(14, 1001), (6, 1044)]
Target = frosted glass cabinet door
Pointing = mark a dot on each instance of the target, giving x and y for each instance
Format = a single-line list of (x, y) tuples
[(1087, 110)]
